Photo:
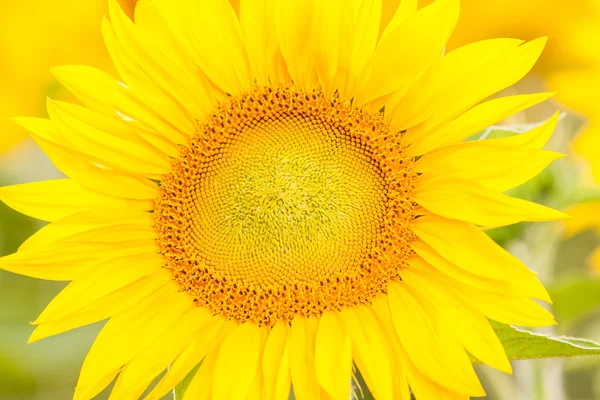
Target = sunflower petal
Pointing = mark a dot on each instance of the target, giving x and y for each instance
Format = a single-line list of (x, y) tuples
[(276, 364), (471, 328), (139, 70), (333, 356), (491, 166), (470, 89), (535, 138), (406, 109), (466, 201), (68, 260), (302, 357), (150, 362), (445, 362), (405, 10), (292, 18), (367, 14), (369, 353), (55, 199), (99, 91), (521, 311), (126, 334), (173, 67), (528, 286), (131, 154), (211, 27), (82, 222), (238, 362), (466, 246), (85, 171), (190, 357), (408, 51), (471, 122), (105, 278), (334, 20), (257, 19), (113, 304)]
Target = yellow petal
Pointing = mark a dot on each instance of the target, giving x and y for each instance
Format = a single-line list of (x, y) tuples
[(68, 259), (535, 138), (113, 304), (407, 52), (201, 386), (257, 19), (369, 353), (471, 122), (126, 334), (528, 286), (302, 358), (466, 201), (405, 10), (430, 350), (172, 66), (59, 198), (123, 46), (292, 18), (333, 20), (367, 14), (106, 277), (99, 91), (468, 247), (424, 387), (84, 221), (482, 83), (471, 328), (211, 27), (491, 166), (130, 154), (520, 311), (238, 362), (333, 356), (150, 60), (378, 312), (190, 357), (150, 362), (257, 390), (85, 171), (276, 363), (406, 109)]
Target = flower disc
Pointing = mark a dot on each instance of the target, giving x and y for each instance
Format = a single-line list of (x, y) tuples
[(283, 204)]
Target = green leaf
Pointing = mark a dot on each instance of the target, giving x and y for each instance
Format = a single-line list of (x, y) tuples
[(180, 389), (521, 344), (576, 298)]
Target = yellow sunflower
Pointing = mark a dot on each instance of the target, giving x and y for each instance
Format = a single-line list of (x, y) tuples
[(285, 198), (571, 63), (24, 78), (585, 216)]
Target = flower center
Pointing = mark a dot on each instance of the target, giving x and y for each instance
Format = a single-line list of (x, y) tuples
[(286, 203)]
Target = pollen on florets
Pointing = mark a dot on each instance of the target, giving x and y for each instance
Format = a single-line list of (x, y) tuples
[(287, 202)]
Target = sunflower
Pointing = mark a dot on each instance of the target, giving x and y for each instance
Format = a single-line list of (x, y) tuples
[(285, 198), (571, 63), (567, 45), (24, 74), (585, 216)]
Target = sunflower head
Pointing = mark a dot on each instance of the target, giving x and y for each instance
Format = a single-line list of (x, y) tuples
[(287, 203), (283, 191)]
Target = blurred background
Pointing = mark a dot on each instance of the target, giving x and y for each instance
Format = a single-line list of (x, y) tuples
[(37, 34)]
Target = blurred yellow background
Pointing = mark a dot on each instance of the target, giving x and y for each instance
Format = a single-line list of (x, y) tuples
[(37, 34)]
